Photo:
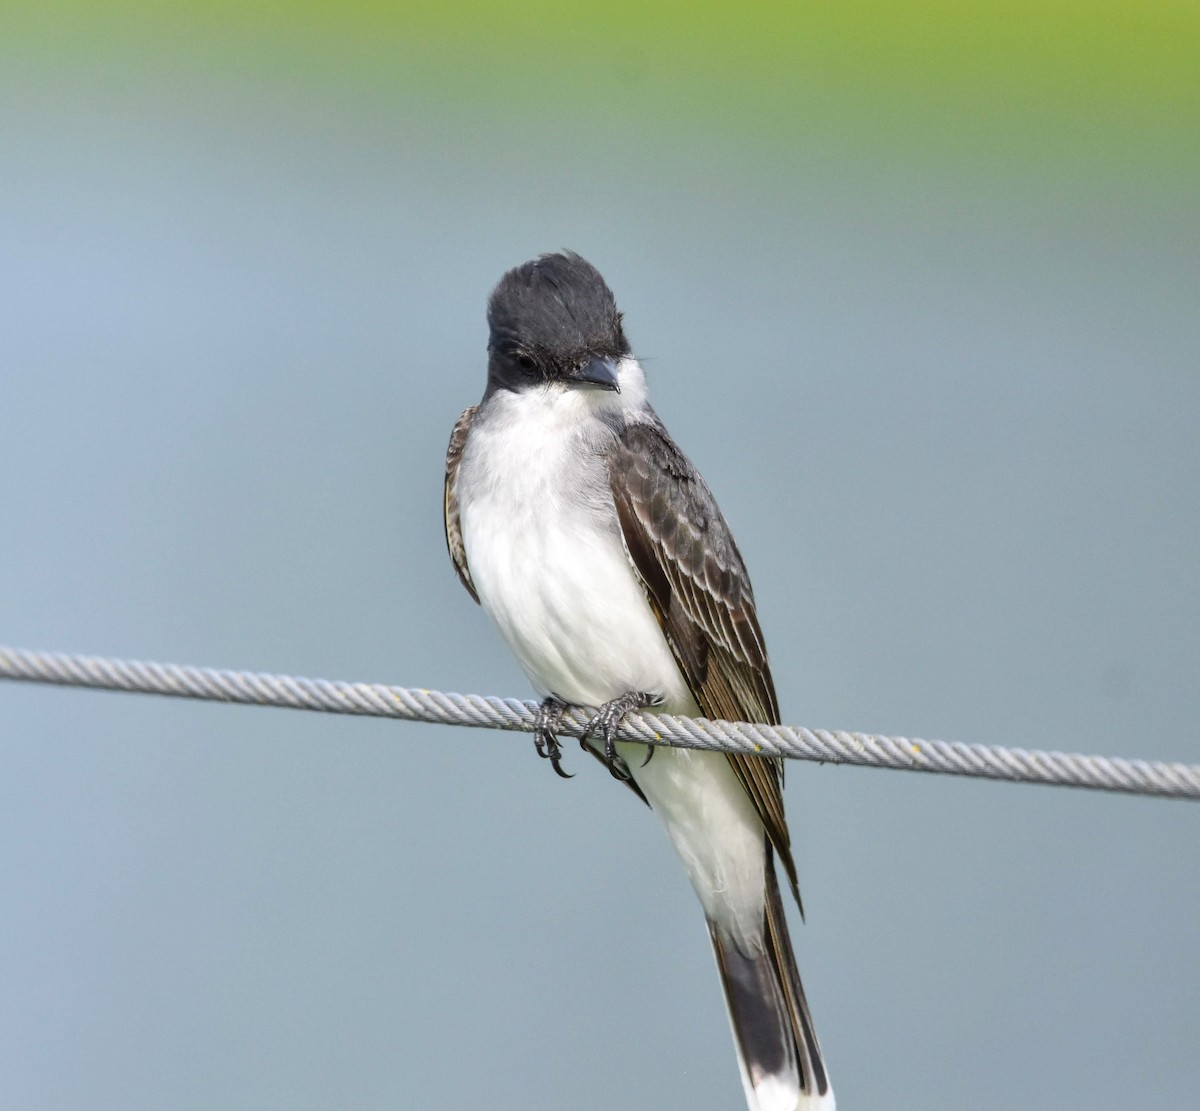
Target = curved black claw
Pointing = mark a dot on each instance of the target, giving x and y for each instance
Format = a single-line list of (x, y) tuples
[(545, 726), (608, 720)]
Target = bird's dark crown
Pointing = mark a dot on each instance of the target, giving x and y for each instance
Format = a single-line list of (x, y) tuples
[(548, 317)]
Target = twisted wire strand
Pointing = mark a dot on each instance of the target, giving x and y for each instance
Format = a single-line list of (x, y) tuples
[(1016, 765)]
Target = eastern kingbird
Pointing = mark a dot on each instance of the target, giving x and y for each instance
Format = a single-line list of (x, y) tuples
[(599, 552)]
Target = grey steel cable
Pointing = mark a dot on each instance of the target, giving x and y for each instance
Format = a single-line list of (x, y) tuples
[(1136, 777)]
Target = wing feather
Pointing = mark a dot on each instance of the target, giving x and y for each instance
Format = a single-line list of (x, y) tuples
[(697, 585), (454, 540)]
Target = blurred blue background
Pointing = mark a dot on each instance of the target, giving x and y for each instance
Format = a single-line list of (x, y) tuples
[(936, 354)]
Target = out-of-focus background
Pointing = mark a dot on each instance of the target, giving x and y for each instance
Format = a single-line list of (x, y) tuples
[(918, 288)]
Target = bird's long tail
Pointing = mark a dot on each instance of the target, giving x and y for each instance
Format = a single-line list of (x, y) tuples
[(777, 1047)]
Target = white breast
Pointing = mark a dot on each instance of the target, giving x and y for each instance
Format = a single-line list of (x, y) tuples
[(546, 554), (550, 567)]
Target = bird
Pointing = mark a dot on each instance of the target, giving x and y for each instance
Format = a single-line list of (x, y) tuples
[(602, 558)]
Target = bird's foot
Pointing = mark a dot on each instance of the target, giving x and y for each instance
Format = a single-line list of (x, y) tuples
[(607, 721), (545, 727)]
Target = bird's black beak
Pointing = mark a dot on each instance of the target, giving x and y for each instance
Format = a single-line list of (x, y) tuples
[(599, 372)]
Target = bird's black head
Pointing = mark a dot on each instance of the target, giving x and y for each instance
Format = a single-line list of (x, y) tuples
[(554, 320)]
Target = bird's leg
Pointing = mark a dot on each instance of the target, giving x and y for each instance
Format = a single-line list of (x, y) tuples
[(608, 720), (545, 725)]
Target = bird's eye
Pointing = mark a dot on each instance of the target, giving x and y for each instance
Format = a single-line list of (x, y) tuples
[(525, 363)]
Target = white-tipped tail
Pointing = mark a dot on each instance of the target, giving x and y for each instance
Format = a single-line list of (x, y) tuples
[(720, 838), (778, 1052)]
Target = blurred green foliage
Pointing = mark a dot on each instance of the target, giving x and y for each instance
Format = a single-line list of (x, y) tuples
[(1111, 84)]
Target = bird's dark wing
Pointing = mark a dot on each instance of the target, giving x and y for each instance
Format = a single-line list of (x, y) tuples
[(697, 586), (454, 540)]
